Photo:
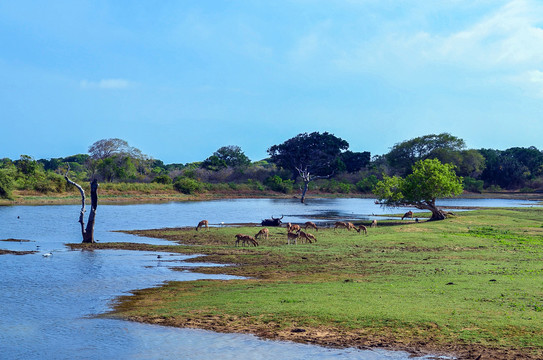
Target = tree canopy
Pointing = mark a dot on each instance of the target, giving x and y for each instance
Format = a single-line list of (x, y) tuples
[(225, 156), (404, 155), (105, 148), (430, 180), (310, 156)]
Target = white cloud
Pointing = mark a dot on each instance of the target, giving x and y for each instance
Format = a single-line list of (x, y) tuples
[(531, 82), (511, 36), (106, 84)]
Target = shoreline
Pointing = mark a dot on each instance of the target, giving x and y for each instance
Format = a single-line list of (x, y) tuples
[(113, 197)]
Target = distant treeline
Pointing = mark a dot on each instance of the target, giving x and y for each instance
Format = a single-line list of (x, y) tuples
[(229, 169)]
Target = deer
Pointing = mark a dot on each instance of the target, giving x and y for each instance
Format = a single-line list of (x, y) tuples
[(263, 233), (311, 225), (201, 224), (245, 239), (408, 214), (351, 226), (294, 236), (341, 224), (293, 227), (307, 236), (373, 223), (347, 225), (363, 229)]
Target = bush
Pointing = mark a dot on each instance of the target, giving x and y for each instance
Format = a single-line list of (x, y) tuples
[(276, 183), (255, 185), (367, 184), (162, 179), (344, 188), (6, 184), (51, 182), (473, 185), (494, 188), (188, 186), (334, 186)]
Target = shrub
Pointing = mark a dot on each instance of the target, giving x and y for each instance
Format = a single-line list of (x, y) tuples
[(188, 186), (276, 183), (255, 185), (473, 185), (344, 188), (494, 188), (367, 184), (162, 179), (51, 182), (6, 184)]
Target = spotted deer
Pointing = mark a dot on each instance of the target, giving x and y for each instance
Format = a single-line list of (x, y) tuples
[(263, 233), (245, 239), (201, 224), (310, 224)]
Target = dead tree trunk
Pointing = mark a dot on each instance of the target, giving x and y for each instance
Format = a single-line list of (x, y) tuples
[(86, 232), (307, 178)]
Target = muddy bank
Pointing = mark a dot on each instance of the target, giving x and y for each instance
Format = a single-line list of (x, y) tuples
[(12, 252)]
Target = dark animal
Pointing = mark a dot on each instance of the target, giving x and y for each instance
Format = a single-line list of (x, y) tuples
[(272, 222)]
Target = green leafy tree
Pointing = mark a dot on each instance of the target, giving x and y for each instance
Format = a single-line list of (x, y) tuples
[(442, 146), (26, 165), (429, 181), (214, 163), (226, 156), (354, 161), (311, 156), (6, 183)]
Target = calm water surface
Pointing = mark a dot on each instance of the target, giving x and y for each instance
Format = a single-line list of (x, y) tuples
[(48, 303)]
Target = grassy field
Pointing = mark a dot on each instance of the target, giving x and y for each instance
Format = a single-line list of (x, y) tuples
[(470, 285)]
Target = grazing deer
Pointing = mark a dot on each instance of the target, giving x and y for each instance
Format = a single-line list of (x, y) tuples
[(363, 229), (201, 224), (263, 233), (245, 239), (351, 226), (374, 223), (311, 225), (294, 236), (309, 237), (408, 214), (340, 224)]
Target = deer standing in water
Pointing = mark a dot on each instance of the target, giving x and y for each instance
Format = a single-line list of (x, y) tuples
[(201, 224)]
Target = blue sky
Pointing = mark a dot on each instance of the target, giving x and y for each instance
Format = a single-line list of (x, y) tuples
[(179, 79)]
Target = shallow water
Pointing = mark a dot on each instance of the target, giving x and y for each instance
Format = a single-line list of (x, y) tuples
[(48, 303)]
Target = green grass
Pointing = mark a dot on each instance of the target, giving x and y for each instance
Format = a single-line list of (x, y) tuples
[(475, 279)]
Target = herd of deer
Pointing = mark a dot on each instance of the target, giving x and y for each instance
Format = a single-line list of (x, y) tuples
[(295, 232)]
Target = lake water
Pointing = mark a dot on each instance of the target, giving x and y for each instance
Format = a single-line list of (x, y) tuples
[(48, 303)]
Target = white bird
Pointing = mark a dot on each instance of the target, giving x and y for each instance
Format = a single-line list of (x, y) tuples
[(47, 254)]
